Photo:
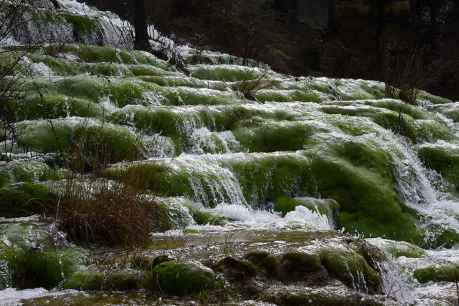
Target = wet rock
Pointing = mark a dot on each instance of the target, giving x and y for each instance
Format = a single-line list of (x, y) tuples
[(235, 269), (180, 279), (352, 269), (298, 266)]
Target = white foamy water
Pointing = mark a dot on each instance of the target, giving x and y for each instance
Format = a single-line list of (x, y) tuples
[(245, 217)]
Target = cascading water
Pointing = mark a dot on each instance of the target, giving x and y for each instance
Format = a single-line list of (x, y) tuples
[(258, 165)]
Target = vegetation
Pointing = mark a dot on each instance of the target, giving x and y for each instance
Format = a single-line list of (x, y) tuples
[(181, 278), (114, 215), (35, 268)]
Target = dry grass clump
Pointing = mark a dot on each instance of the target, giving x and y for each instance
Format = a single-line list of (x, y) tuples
[(105, 213)]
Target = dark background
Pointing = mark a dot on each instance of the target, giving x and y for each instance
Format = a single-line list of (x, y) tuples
[(404, 42)]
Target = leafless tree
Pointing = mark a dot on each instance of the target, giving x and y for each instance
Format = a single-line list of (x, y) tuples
[(10, 17)]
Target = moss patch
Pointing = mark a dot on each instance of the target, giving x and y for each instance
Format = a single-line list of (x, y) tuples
[(24, 200), (181, 278), (35, 268), (440, 273), (443, 159), (348, 267)]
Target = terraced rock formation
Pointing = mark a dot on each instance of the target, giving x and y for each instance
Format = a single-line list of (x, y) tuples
[(265, 178)]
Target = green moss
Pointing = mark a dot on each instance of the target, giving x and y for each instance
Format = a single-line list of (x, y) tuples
[(46, 137), (438, 273), (443, 159), (97, 54), (180, 278), (82, 87), (146, 70), (400, 107), (202, 217), (431, 131), (361, 181), (107, 69), (398, 123), (145, 58), (445, 238), (285, 204), (35, 268), (377, 91), (348, 267), (23, 171), (410, 251), (56, 106), (82, 24), (58, 66), (85, 280), (123, 281), (298, 266), (191, 96), (422, 95), (225, 73), (176, 81), (287, 96), (91, 143), (126, 92), (24, 200), (162, 121), (267, 178), (270, 137), (106, 144), (265, 262), (155, 178)]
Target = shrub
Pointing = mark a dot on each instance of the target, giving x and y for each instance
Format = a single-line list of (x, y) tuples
[(114, 216)]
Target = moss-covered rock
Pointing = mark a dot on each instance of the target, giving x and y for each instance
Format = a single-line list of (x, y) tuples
[(352, 269), (271, 137), (298, 266), (361, 180), (123, 281), (443, 238), (237, 270), (438, 273), (444, 159), (225, 73), (181, 278), (31, 268), (90, 142), (24, 200), (85, 280), (57, 106), (265, 262), (202, 217)]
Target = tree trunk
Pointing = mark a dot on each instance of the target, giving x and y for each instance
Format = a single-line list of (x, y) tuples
[(140, 25)]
